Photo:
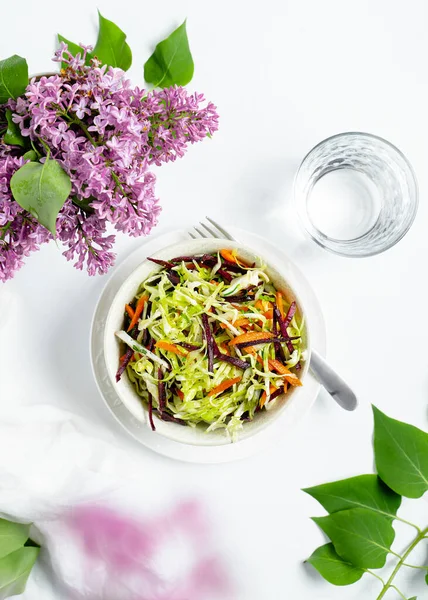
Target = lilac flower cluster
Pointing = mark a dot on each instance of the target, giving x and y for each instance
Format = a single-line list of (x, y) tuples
[(20, 233), (106, 135)]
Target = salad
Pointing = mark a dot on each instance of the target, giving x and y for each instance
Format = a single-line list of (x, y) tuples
[(208, 340)]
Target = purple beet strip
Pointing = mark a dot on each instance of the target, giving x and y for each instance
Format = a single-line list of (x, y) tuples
[(124, 364), (283, 324), (239, 298), (146, 335), (242, 297), (237, 362), (161, 391), (268, 341), (210, 342), (204, 258), (188, 346), (163, 263), (279, 352), (276, 393), (209, 259), (150, 404), (283, 328), (226, 276), (233, 267), (173, 277), (167, 417), (290, 314)]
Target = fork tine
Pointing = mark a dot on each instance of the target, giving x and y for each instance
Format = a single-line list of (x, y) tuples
[(221, 230), (192, 236), (201, 233), (210, 231)]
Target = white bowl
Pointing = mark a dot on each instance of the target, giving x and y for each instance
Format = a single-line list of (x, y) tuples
[(125, 390)]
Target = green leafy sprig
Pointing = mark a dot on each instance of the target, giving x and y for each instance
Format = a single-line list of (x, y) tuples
[(18, 553), (111, 48), (171, 63), (362, 509)]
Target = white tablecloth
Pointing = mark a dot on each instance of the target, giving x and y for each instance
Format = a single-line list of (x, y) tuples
[(284, 74)]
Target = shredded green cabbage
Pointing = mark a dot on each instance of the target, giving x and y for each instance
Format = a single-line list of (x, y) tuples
[(173, 315)]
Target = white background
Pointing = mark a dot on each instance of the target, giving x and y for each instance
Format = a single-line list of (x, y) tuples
[(284, 75)]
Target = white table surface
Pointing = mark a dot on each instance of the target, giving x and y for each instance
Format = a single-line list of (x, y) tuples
[(284, 75)]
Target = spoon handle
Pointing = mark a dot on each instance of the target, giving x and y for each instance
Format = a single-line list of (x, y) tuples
[(335, 386)]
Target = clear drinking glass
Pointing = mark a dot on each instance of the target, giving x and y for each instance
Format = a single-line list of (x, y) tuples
[(356, 194)]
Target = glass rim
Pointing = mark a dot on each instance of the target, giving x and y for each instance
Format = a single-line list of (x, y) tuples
[(344, 252)]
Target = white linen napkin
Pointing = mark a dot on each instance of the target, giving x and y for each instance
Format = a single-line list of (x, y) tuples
[(107, 532)]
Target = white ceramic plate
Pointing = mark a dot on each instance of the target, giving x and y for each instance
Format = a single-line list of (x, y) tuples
[(291, 412)]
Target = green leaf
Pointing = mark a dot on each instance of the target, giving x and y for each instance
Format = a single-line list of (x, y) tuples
[(401, 454), (13, 135), (426, 578), (72, 47), (15, 569), (333, 568), (413, 598), (13, 77), (30, 155), (12, 536), (364, 491), (85, 204), (111, 47), (171, 63), (41, 189), (360, 536)]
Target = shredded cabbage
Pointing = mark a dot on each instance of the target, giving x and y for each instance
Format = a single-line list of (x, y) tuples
[(173, 316)]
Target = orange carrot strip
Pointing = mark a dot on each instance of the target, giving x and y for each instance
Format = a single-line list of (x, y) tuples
[(224, 386), (228, 255), (277, 366), (240, 322), (251, 336), (268, 314), (280, 303), (130, 311), (171, 348), (224, 349), (292, 379), (138, 310), (122, 358), (180, 394), (263, 398), (263, 305)]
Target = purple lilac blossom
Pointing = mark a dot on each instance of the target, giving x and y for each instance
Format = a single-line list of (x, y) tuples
[(20, 233), (106, 136)]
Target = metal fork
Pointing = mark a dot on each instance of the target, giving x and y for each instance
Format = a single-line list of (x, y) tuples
[(338, 389)]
